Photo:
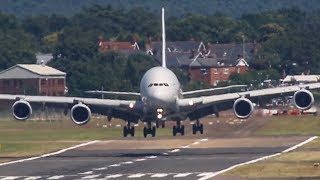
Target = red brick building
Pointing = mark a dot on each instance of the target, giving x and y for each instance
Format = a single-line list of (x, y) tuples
[(105, 46), (213, 74), (209, 63), (33, 79)]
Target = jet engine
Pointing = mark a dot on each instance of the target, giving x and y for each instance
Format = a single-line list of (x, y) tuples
[(303, 99), (242, 108), (21, 110), (80, 114)]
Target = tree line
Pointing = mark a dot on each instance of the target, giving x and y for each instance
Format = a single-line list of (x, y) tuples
[(289, 40)]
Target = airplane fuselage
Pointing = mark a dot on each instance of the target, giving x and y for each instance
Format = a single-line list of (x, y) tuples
[(159, 89)]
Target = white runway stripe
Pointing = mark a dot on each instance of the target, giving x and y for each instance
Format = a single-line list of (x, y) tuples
[(259, 159), (139, 175), (182, 175), (33, 178), (10, 177), (56, 177), (114, 176), (160, 175), (91, 176), (50, 154)]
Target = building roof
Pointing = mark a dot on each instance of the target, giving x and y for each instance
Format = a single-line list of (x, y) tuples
[(186, 53), (301, 78), (26, 71), (42, 69)]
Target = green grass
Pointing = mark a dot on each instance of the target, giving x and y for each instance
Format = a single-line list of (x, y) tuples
[(292, 125), (295, 164), (29, 138)]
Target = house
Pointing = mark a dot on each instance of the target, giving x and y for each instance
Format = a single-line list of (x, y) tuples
[(33, 79), (105, 46), (210, 63), (301, 79)]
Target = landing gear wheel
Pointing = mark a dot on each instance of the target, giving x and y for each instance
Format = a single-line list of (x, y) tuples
[(182, 130), (194, 129), (132, 131), (174, 131), (163, 124), (153, 132), (201, 128), (145, 132), (125, 131)]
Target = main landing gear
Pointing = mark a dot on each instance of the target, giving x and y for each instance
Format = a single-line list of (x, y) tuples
[(178, 129), (128, 130), (197, 127), (149, 130)]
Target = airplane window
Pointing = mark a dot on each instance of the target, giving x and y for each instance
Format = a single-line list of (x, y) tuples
[(155, 84), (160, 84), (166, 84), (150, 85)]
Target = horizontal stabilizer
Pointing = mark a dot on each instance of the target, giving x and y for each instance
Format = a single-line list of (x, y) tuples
[(113, 93)]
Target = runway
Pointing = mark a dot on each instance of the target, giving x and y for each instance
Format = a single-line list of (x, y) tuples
[(181, 158)]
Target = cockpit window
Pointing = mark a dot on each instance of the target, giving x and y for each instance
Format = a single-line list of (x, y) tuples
[(158, 84)]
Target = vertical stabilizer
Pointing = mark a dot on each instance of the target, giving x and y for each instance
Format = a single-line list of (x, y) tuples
[(163, 41)]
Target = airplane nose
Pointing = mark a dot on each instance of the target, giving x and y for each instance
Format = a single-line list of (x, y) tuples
[(161, 97)]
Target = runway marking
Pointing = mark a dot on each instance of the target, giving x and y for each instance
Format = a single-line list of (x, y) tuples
[(175, 150), (137, 160), (10, 177), (99, 169), (56, 177), (92, 176), (259, 159), (50, 154), (195, 143), (114, 176), (85, 173), (202, 140), (182, 175), (159, 175), (205, 174), (33, 177), (139, 175), (165, 153), (127, 162), (184, 147), (114, 165), (151, 157)]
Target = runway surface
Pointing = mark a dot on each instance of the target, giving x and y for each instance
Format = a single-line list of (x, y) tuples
[(179, 158)]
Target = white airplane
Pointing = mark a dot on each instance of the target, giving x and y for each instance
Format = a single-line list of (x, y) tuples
[(161, 98)]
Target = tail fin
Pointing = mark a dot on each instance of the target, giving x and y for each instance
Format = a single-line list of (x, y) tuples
[(163, 41)]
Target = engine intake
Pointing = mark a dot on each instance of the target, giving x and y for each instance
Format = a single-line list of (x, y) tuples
[(21, 110), (242, 108), (80, 114), (303, 99)]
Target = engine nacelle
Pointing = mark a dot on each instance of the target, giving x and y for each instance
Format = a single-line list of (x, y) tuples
[(242, 108), (303, 99), (21, 110), (80, 114)]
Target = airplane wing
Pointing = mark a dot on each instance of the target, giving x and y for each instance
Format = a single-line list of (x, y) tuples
[(209, 91), (125, 109), (303, 99), (113, 93)]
